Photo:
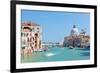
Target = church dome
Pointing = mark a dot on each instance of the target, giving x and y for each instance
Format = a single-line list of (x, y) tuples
[(74, 31)]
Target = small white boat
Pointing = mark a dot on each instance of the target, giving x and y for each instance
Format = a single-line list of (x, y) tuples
[(71, 47)]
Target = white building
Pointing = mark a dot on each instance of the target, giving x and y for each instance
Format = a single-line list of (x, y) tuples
[(74, 31), (76, 38)]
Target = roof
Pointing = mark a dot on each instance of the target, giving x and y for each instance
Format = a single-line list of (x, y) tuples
[(29, 24)]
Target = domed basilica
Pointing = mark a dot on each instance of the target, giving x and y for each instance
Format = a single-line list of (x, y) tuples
[(76, 38)]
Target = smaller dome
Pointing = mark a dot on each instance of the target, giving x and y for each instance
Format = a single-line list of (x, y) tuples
[(83, 31)]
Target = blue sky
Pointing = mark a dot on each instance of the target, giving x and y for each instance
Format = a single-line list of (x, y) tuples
[(56, 25)]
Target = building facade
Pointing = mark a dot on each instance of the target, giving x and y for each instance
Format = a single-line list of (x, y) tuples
[(31, 36), (76, 38)]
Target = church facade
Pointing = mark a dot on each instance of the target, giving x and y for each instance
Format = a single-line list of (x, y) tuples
[(76, 38)]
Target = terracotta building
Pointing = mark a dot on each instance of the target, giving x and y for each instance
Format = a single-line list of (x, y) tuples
[(31, 36)]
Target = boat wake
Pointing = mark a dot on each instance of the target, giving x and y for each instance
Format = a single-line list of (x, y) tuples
[(50, 54)]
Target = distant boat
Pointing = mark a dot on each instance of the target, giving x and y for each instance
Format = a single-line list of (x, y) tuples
[(45, 49), (87, 46)]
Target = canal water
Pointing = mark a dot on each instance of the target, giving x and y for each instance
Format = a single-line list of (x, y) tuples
[(58, 54)]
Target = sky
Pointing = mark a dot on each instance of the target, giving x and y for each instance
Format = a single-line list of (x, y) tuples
[(56, 24)]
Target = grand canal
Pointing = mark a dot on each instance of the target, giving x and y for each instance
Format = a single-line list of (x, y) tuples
[(58, 54)]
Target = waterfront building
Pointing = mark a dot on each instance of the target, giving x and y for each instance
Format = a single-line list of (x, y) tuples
[(76, 38), (85, 40), (31, 36)]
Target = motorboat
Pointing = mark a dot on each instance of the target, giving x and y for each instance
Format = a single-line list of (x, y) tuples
[(71, 47)]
